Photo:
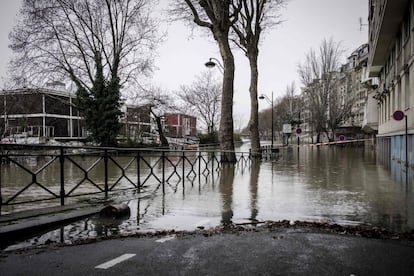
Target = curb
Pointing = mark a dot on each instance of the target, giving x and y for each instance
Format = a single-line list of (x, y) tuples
[(22, 227)]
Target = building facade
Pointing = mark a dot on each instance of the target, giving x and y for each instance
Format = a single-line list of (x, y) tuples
[(136, 122), (37, 115), (352, 95), (180, 125), (45, 113), (391, 60)]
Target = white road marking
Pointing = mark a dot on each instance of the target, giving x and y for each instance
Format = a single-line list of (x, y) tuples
[(115, 261), (166, 238)]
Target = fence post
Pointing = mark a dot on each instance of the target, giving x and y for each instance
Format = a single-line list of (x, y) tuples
[(199, 167), (183, 156), (1, 197), (138, 173), (62, 176), (163, 171), (212, 164), (106, 172)]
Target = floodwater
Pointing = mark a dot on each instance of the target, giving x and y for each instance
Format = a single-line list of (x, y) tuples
[(343, 185)]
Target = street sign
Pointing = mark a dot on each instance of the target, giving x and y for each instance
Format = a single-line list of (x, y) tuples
[(287, 128), (342, 138), (298, 130), (398, 115)]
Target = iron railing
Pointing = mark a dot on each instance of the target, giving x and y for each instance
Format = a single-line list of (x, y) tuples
[(31, 173)]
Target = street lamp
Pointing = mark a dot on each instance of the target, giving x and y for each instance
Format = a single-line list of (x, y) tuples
[(262, 97), (211, 64)]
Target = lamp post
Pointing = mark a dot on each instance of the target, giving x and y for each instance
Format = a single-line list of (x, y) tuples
[(262, 97), (212, 62)]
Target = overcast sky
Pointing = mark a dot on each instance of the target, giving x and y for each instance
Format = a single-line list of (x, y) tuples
[(182, 56)]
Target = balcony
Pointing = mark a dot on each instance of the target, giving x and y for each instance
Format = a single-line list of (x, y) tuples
[(389, 21)]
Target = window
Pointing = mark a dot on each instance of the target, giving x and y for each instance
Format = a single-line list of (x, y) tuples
[(407, 25), (407, 89), (398, 43), (398, 96)]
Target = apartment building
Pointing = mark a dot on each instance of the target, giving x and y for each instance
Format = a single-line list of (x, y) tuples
[(391, 60)]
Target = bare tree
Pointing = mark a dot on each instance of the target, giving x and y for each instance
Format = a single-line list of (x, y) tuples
[(160, 102), (254, 17), (203, 97), (290, 104), (218, 16), (318, 74), (340, 106), (100, 46)]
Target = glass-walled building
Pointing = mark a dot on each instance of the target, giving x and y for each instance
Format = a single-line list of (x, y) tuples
[(45, 112)]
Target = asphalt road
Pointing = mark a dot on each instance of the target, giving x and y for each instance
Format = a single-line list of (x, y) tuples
[(245, 253)]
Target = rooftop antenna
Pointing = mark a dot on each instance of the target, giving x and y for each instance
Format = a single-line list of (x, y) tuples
[(361, 25)]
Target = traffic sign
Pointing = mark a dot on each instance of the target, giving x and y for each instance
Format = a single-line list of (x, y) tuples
[(298, 130), (398, 115)]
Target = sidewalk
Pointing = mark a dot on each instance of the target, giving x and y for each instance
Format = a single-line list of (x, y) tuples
[(23, 224), (268, 252), (276, 248)]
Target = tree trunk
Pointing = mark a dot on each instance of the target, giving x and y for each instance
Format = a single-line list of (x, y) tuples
[(254, 106), (163, 139), (226, 121)]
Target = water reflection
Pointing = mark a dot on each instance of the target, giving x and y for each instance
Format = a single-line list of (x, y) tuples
[(226, 192), (254, 181), (332, 184)]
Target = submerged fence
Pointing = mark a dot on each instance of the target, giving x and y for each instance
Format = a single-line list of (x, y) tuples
[(31, 174)]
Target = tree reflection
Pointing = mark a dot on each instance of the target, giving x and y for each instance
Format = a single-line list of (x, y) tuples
[(226, 192), (254, 177)]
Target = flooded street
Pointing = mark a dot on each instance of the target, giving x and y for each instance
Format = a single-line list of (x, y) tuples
[(341, 185), (332, 184)]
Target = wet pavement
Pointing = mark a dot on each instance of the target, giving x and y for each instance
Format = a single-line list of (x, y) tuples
[(265, 251), (18, 226), (331, 185)]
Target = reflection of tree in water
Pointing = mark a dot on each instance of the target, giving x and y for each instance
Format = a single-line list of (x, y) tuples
[(254, 177), (226, 191)]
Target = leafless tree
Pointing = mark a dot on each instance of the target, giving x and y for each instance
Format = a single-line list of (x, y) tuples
[(160, 101), (291, 105), (254, 17), (67, 39), (319, 75), (340, 106), (218, 16), (203, 98), (99, 45)]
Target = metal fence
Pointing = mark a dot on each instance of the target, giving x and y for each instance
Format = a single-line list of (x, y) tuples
[(32, 174)]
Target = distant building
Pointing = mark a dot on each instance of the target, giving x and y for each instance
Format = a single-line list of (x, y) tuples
[(360, 88), (50, 113), (136, 122), (352, 85), (391, 59), (180, 125), (46, 113)]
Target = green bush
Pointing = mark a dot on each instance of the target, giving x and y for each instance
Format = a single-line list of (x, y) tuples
[(237, 138), (209, 138)]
